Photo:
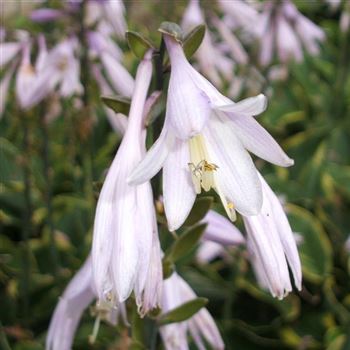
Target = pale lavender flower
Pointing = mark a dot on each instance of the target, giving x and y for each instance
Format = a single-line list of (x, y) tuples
[(8, 50), (212, 62), (284, 30), (77, 296), (43, 15), (240, 13), (58, 69), (272, 245), (109, 54), (125, 240), (24, 79), (201, 326), (219, 234), (204, 144)]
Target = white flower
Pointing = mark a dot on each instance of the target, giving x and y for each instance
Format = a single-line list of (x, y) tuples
[(77, 296), (272, 245), (204, 144), (125, 239), (284, 29), (201, 325), (212, 61)]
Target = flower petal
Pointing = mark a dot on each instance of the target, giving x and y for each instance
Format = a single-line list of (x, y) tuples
[(8, 51), (258, 141), (221, 230), (153, 160), (250, 106), (285, 233), (178, 190), (236, 172)]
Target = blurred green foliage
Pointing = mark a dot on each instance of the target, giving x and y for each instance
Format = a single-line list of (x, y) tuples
[(309, 114)]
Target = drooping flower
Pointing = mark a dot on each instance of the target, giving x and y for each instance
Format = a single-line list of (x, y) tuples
[(212, 62), (125, 242), (204, 144), (272, 245), (77, 296), (284, 30), (200, 326)]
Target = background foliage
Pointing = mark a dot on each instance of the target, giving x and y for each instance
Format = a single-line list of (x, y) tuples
[(50, 177)]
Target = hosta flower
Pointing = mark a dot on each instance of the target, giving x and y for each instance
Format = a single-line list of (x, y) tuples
[(201, 326), (219, 234), (272, 245), (125, 249), (77, 296), (285, 30), (212, 61), (204, 144)]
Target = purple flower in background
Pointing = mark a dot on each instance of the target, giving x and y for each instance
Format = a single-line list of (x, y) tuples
[(284, 30), (45, 15), (125, 249), (211, 60), (201, 326), (204, 144)]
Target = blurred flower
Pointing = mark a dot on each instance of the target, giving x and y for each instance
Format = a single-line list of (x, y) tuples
[(212, 62), (77, 296), (201, 325), (204, 144), (272, 246), (125, 245), (284, 29), (43, 15)]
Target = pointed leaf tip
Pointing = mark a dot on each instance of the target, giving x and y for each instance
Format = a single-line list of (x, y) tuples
[(183, 312)]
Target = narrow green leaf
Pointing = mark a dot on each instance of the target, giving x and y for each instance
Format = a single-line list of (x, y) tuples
[(199, 210), (168, 268), (119, 104), (193, 40), (185, 243), (138, 44), (172, 29), (183, 312)]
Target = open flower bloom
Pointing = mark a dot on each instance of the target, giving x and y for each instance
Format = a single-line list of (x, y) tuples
[(125, 249), (204, 145), (272, 245), (200, 326), (77, 296), (284, 29)]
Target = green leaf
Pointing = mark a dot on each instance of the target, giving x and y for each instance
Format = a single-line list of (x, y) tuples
[(193, 40), (199, 210), (315, 250), (183, 312), (138, 44), (185, 243), (119, 104), (172, 29), (168, 268), (154, 106)]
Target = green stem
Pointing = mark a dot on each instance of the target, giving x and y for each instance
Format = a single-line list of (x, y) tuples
[(137, 326), (27, 228), (48, 193)]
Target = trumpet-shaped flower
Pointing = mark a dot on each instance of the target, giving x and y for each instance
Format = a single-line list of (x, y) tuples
[(285, 30), (272, 246), (212, 61), (77, 296), (125, 245), (200, 326), (204, 144)]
